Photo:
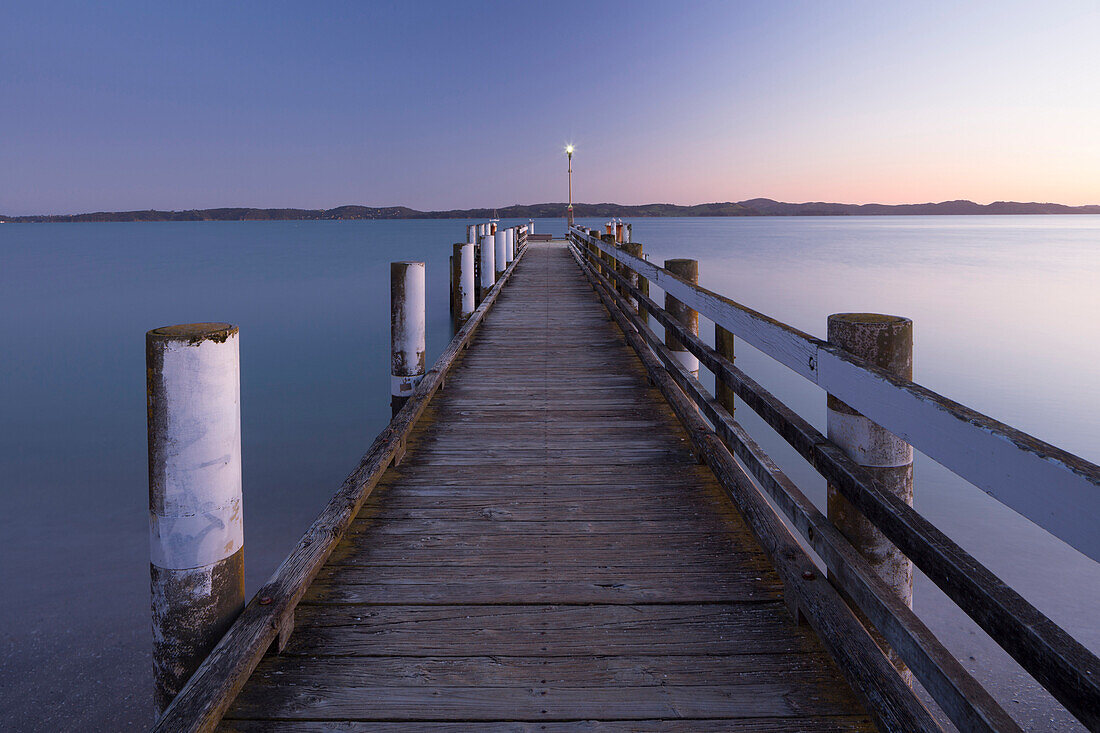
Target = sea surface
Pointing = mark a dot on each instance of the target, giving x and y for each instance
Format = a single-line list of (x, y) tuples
[(1007, 321)]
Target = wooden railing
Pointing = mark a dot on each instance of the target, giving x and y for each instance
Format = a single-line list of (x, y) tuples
[(1053, 488)]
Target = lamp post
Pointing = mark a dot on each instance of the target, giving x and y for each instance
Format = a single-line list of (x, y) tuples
[(569, 152)]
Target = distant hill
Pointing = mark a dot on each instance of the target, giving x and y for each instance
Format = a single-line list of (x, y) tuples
[(752, 207)]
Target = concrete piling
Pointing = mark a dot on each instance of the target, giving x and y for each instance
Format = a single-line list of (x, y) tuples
[(407, 330), (464, 291), (887, 342), (500, 253), (685, 270), (196, 529), (488, 265)]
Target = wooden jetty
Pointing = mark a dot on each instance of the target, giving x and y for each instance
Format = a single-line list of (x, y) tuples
[(562, 530)]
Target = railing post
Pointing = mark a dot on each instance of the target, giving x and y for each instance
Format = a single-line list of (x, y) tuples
[(685, 270), (607, 259), (723, 344), (463, 283), (488, 266), (632, 277), (407, 330), (196, 529), (886, 342)]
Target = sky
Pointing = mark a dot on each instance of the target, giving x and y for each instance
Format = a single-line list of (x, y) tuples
[(439, 105)]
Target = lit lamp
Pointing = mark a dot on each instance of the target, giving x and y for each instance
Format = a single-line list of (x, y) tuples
[(569, 152)]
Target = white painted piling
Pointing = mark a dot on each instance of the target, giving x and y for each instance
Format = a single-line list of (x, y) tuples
[(886, 342), (471, 233), (501, 252), (628, 233), (464, 282), (686, 270), (196, 530), (530, 227), (488, 264), (510, 245), (407, 330)]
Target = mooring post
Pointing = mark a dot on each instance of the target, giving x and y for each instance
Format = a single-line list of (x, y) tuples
[(196, 530), (628, 233), (887, 342), (407, 330), (463, 283), (488, 267), (685, 270), (500, 254), (471, 233), (530, 226), (723, 344), (509, 245)]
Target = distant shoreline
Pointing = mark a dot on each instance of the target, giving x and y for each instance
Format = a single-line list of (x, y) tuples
[(750, 207)]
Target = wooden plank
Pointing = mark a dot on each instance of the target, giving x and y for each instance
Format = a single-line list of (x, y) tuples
[(548, 630), (431, 584), (805, 724)]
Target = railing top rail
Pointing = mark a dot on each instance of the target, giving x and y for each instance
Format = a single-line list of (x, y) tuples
[(1053, 488)]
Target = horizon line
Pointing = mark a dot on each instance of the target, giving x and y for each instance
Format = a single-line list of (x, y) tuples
[(759, 201)]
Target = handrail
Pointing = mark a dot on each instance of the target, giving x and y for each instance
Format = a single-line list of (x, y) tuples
[(1053, 488), (269, 617), (888, 698), (1064, 666)]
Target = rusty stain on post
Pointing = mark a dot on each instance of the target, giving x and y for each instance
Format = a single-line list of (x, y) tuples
[(196, 529), (887, 342)]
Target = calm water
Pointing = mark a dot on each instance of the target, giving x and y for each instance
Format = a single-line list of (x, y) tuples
[(1006, 312)]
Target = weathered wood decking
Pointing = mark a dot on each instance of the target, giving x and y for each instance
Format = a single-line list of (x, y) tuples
[(549, 555)]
